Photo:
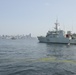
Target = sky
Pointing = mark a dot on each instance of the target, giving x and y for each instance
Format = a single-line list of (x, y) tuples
[(18, 17)]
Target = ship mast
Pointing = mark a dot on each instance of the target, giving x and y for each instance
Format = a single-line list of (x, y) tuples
[(56, 25)]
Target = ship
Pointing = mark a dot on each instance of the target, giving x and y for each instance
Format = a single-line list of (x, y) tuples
[(58, 36)]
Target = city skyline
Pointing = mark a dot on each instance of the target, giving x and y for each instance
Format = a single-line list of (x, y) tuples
[(36, 16)]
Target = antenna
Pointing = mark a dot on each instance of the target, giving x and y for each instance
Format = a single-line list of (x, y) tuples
[(72, 27)]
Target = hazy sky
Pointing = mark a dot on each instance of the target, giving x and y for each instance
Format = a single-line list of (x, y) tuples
[(36, 16)]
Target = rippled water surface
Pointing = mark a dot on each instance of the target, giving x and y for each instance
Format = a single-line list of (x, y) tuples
[(28, 57)]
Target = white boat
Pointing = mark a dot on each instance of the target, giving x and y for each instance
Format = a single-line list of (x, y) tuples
[(58, 36)]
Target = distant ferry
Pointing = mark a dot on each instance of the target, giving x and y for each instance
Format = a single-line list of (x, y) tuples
[(58, 36)]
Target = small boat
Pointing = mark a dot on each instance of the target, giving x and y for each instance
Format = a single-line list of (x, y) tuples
[(58, 36), (13, 38)]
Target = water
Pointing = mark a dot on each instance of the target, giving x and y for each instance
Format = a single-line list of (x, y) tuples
[(28, 57)]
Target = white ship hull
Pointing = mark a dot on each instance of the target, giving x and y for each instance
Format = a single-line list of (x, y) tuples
[(57, 40)]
